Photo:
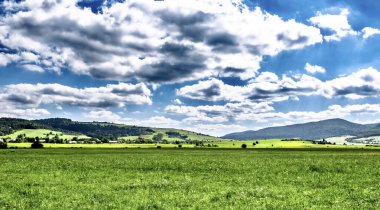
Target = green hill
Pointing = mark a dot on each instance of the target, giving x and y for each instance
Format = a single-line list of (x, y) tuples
[(67, 129)]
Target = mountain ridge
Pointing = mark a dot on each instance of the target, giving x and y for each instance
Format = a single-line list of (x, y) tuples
[(310, 130)]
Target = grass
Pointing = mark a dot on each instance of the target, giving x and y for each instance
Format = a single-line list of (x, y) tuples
[(41, 133), (98, 146), (274, 143), (190, 179), (277, 143)]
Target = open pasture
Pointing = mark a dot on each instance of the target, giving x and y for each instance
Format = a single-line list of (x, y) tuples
[(190, 178)]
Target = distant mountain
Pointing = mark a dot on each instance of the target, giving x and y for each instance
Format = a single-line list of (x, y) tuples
[(311, 130)]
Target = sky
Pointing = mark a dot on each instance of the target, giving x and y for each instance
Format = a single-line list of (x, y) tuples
[(211, 66)]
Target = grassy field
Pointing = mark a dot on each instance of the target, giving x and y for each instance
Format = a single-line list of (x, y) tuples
[(275, 143), (190, 178), (41, 133)]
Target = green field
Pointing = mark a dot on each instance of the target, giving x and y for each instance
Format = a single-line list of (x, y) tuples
[(41, 133), (190, 179), (227, 144)]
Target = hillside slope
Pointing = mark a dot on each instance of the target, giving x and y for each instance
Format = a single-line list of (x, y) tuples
[(11, 127), (311, 130)]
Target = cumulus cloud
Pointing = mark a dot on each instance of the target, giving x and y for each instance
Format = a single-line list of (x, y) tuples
[(361, 84), (337, 23), (33, 68), (28, 113), (113, 95), (218, 113), (216, 129), (269, 87), (180, 40), (265, 87), (334, 111), (241, 112), (156, 121), (313, 69), (369, 31), (177, 101), (103, 116)]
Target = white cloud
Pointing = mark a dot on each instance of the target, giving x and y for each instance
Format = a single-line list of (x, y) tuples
[(216, 129), (155, 121), (361, 84), (265, 87), (313, 69), (33, 68), (115, 95), (178, 102), (218, 113), (268, 87), (179, 41), (25, 113), (6, 59), (338, 23), (368, 32), (242, 113), (103, 116)]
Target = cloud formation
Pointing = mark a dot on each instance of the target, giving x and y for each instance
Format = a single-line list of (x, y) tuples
[(242, 112), (268, 87), (369, 31), (336, 23), (313, 69), (179, 41), (35, 95), (361, 84)]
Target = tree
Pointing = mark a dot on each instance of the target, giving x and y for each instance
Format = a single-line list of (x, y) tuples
[(37, 145), (56, 138), (244, 146), (158, 137), (3, 145), (20, 138)]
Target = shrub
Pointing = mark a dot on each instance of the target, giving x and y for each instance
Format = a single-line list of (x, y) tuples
[(158, 147), (3, 145), (179, 145), (37, 145), (253, 144), (244, 146)]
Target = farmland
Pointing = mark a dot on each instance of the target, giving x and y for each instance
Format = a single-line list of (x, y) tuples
[(42, 133), (226, 144), (190, 178)]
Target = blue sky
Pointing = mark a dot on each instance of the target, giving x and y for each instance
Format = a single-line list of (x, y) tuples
[(213, 66)]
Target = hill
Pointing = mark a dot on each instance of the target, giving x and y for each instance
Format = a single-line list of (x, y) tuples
[(12, 127), (311, 130)]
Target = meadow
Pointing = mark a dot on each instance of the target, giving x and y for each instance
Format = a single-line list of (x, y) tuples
[(73, 178), (42, 133)]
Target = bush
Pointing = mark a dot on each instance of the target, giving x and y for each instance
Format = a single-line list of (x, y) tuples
[(244, 146), (3, 145), (37, 145), (158, 147), (179, 145)]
